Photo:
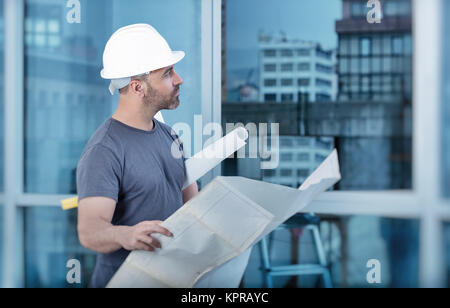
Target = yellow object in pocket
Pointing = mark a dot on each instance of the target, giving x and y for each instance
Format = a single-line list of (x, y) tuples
[(70, 203)]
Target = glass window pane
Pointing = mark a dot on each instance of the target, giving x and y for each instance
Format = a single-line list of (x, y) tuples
[(387, 65), (303, 67), (446, 103), (365, 65), (1, 245), (2, 95), (376, 65), (343, 66), (270, 67), (2, 131), (354, 46), (387, 44), (366, 110), (376, 45), (270, 53), (287, 82), (66, 99), (287, 67), (344, 46), (350, 243), (365, 43), (397, 45), (48, 247), (446, 239), (354, 65)]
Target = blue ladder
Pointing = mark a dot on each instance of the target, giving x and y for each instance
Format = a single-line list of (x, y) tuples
[(307, 222)]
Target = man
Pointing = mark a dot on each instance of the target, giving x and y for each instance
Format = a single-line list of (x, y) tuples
[(128, 180)]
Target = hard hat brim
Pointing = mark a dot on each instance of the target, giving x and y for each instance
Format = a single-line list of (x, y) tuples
[(174, 58)]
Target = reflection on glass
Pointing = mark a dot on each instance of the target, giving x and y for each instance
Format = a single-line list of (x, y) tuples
[(359, 94), (446, 237), (66, 101), (349, 244), (2, 95), (1, 245), (2, 136), (65, 98), (446, 101), (50, 241)]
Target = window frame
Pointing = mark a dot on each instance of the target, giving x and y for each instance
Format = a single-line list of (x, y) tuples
[(424, 201)]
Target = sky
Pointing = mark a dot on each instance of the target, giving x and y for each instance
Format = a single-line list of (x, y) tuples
[(300, 19)]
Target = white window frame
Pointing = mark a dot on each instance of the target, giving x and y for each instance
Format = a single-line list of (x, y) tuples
[(424, 202)]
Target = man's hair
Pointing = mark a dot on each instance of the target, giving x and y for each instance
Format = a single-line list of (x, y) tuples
[(139, 77)]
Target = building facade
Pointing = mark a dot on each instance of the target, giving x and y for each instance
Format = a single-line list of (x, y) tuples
[(375, 59), (295, 71)]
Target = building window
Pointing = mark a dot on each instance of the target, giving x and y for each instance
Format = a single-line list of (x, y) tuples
[(365, 46), (397, 45), (323, 54), (376, 45), (43, 32), (343, 66), (269, 173), (397, 8), (303, 173), (287, 67), (323, 83), (286, 142), (323, 97), (344, 46), (324, 68), (303, 142), (286, 157), (286, 172), (376, 65), (287, 53), (358, 9), (354, 46), (270, 97), (303, 157), (302, 67), (270, 53), (270, 67), (365, 65), (287, 82), (270, 82), (354, 65), (287, 97), (303, 82), (320, 158), (303, 52)]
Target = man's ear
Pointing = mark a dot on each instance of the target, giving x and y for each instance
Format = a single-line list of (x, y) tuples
[(137, 88)]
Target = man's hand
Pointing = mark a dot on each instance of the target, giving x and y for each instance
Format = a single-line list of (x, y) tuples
[(139, 236)]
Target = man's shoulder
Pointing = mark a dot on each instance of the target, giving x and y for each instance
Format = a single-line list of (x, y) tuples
[(168, 130), (103, 141)]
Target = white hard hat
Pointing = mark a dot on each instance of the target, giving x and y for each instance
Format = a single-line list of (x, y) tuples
[(135, 50)]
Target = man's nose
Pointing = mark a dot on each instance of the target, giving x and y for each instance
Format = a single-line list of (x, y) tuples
[(177, 79)]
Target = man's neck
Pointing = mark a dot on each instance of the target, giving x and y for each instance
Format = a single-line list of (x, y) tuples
[(135, 118)]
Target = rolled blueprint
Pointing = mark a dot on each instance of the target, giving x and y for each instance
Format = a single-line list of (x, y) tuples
[(204, 161)]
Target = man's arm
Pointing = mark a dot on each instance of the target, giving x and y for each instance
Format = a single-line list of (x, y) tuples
[(96, 232), (190, 192)]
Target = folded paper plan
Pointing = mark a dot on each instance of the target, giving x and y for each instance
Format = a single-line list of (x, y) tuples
[(214, 232)]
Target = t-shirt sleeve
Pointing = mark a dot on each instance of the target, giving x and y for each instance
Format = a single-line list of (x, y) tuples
[(98, 173)]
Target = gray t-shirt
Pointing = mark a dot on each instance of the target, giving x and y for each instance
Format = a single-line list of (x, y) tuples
[(137, 169)]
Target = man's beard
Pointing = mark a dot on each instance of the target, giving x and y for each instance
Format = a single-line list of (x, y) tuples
[(160, 101)]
